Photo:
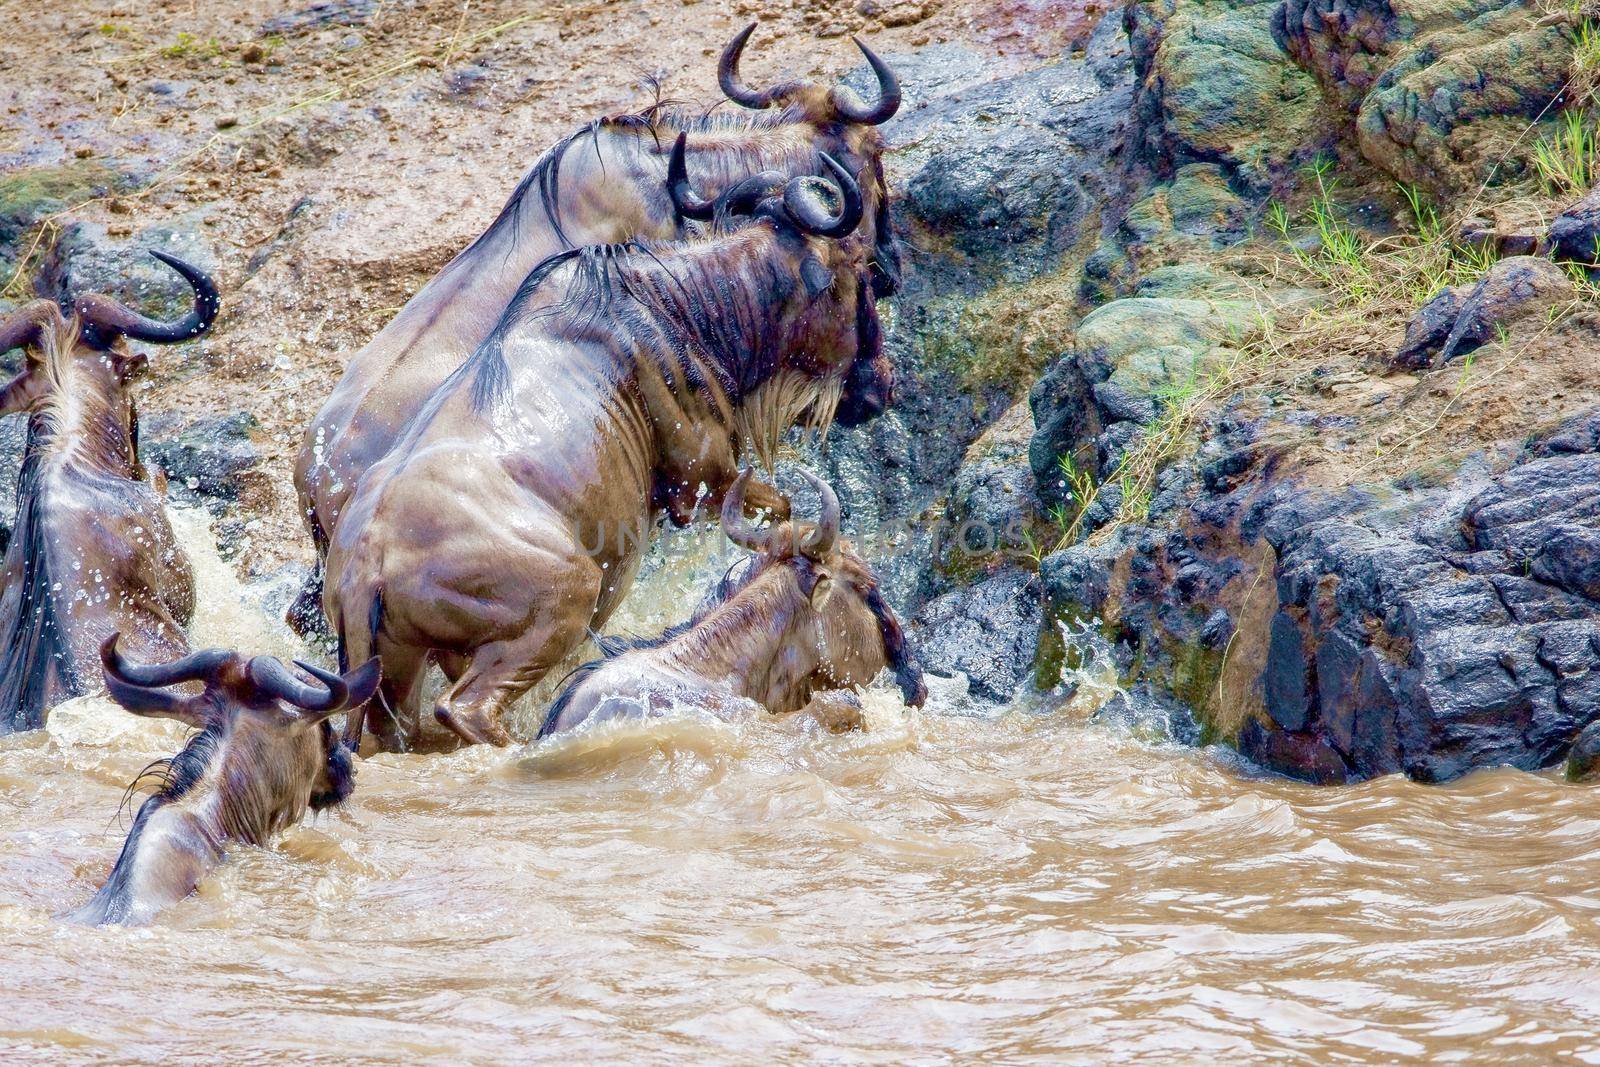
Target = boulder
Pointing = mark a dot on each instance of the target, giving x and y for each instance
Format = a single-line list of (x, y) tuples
[(1459, 320), (987, 631), (1434, 86), (1213, 86), (1339, 635), (1575, 234), (208, 457)]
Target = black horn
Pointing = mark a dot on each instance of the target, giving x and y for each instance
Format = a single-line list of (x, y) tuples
[(805, 208), (820, 541), (103, 315), (273, 678), (689, 204), (740, 530), (23, 326), (152, 698), (728, 75), (195, 667), (852, 110)]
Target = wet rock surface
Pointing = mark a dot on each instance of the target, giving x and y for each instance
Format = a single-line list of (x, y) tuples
[(987, 631), (1428, 632), (207, 459), (1461, 320)]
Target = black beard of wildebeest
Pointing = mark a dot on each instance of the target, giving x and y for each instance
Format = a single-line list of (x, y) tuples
[(621, 381), (603, 184), (265, 752), (92, 552), (802, 623)]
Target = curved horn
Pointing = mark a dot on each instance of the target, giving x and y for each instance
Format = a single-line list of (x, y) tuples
[(805, 209), (733, 87), (738, 528), (140, 699), (684, 198), (106, 315), (196, 666), (820, 541), (273, 678), (22, 326), (888, 103)]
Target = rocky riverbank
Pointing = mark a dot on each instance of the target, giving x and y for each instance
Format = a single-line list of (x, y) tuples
[(1246, 333)]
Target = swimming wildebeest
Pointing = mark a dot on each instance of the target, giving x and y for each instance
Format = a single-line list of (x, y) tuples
[(265, 752), (603, 184), (92, 552), (802, 621), (621, 382)]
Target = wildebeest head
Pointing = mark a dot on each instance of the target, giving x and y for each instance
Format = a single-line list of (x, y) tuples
[(844, 127), (832, 328), (264, 753), (93, 344), (855, 632)]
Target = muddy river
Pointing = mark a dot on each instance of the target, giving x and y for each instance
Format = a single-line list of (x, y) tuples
[(1037, 884)]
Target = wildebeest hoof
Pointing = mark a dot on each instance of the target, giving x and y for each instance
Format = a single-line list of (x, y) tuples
[(475, 728)]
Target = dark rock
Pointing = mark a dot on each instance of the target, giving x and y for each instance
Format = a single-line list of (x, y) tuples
[(1432, 631), (86, 259), (1583, 762), (1512, 289), (316, 16), (1575, 234), (13, 442), (987, 632), (1020, 166), (209, 456)]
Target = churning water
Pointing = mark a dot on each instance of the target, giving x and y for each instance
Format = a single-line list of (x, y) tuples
[(1032, 885)]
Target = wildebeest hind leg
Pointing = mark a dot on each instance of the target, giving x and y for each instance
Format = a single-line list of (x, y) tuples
[(497, 675), (394, 715)]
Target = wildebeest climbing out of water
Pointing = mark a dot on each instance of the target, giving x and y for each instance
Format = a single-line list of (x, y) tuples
[(92, 552), (264, 754), (603, 184), (802, 623), (621, 382)]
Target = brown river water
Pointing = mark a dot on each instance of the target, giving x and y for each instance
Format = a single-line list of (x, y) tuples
[(1037, 885)]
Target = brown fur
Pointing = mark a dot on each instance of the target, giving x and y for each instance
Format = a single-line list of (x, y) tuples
[(604, 184), (93, 552)]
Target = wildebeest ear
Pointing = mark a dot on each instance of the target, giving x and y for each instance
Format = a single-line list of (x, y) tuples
[(130, 365), (818, 278), (20, 392)]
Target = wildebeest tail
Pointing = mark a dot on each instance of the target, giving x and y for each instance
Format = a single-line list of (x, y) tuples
[(36, 662)]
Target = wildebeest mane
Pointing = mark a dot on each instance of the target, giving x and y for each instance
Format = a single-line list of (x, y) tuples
[(733, 580), (668, 303), (36, 655)]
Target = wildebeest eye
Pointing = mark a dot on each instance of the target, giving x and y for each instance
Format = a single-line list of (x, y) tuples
[(818, 279)]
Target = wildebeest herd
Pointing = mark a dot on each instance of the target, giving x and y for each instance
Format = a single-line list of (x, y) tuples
[(663, 297)]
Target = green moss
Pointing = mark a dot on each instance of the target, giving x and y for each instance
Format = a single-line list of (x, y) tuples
[(29, 195)]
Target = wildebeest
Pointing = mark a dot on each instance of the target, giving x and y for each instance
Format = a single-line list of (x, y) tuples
[(92, 551), (622, 381), (603, 184), (804, 619), (264, 753)]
